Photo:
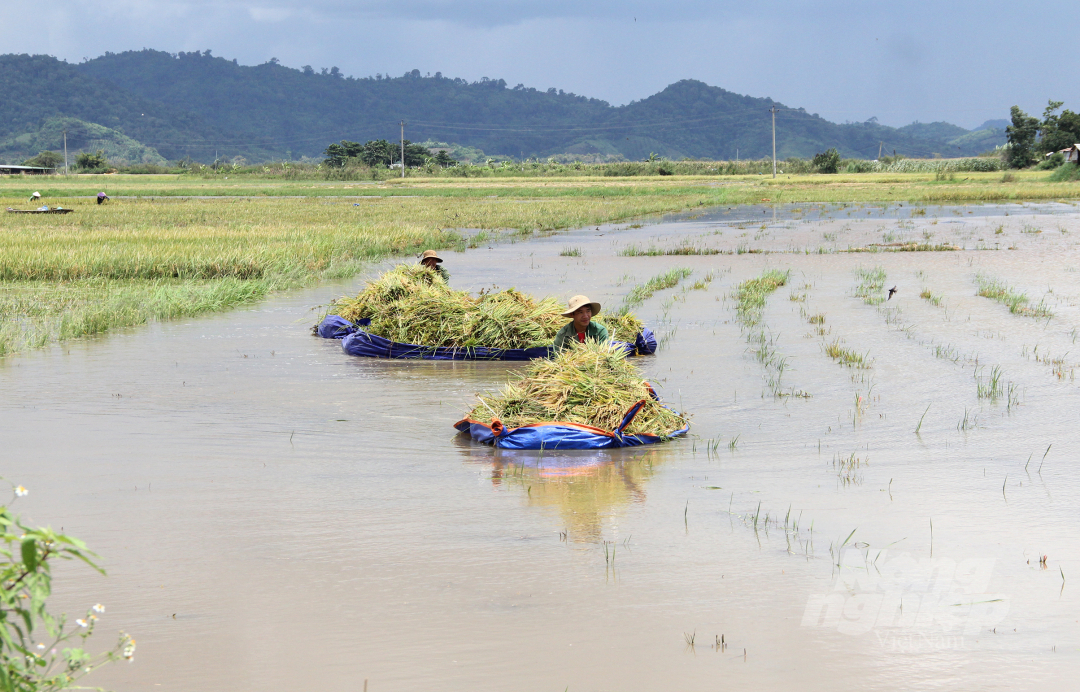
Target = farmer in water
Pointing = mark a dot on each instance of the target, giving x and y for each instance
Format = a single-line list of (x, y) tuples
[(433, 262), (581, 310), (101, 197)]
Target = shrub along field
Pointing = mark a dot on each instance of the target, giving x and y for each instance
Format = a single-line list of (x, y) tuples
[(169, 246)]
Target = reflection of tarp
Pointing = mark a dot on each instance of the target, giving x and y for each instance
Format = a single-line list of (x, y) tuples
[(357, 342), (588, 489), (561, 435)]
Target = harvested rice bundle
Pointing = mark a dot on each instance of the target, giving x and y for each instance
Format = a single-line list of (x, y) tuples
[(511, 317), (621, 326), (413, 305), (588, 384)]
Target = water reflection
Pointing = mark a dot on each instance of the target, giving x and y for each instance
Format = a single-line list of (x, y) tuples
[(586, 489)]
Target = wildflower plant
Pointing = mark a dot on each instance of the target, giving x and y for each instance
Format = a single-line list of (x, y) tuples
[(39, 651)]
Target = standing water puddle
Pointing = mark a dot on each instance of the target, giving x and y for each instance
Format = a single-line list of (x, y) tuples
[(275, 515)]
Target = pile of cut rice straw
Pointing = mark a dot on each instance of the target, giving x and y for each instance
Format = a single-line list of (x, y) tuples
[(412, 304), (590, 384)]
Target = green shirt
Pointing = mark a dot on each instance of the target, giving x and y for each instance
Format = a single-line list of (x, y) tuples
[(594, 332)]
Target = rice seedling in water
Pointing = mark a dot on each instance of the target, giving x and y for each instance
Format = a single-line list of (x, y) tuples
[(847, 468), (989, 387), (411, 304), (871, 285), (570, 252), (845, 356), (702, 284), (750, 298), (946, 352), (1016, 301), (816, 319), (653, 251), (751, 295), (932, 298), (588, 384), (970, 420), (919, 426), (642, 292)]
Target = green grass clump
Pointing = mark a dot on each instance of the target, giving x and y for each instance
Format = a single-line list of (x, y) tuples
[(570, 252), (845, 356), (871, 285), (1016, 301), (751, 295), (653, 251), (669, 279), (588, 384), (905, 247), (1066, 173), (931, 297)]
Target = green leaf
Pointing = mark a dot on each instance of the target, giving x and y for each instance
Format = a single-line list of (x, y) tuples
[(5, 680), (29, 554)]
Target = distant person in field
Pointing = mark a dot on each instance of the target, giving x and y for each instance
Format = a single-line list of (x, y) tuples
[(432, 261), (102, 197), (581, 310), (36, 197)]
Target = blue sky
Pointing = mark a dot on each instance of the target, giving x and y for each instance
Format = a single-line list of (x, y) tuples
[(963, 62)]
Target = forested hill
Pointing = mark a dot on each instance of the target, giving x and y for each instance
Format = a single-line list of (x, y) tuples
[(198, 105), (39, 89), (300, 111)]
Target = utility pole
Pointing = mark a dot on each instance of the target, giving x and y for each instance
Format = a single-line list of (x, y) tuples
[(66, 170), (402, 148), (880, 144), (773, 111)]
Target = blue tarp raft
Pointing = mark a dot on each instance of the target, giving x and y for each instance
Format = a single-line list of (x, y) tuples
[(559, 435), (357, 342)]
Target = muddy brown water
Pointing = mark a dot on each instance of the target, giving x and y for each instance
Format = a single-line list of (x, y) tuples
[(275, 515)]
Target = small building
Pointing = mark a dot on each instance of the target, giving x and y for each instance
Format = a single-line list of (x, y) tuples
[(1072, 154), (28, 170)]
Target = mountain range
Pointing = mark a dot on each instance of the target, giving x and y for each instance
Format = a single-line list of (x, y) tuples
[(147, 105)]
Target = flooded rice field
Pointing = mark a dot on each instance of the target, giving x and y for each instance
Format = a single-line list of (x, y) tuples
[(878, 492)]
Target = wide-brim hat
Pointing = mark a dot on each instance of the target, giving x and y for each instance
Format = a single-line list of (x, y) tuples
[(430, 254), (578, 301)]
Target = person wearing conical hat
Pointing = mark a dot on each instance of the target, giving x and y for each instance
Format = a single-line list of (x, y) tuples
[(36, 196), (581, 310), (102, 198), (432, 261)]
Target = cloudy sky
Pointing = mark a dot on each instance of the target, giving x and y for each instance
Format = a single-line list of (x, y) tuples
[(961, 61)]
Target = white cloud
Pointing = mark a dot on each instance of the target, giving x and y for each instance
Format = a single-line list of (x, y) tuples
[(269, 14)]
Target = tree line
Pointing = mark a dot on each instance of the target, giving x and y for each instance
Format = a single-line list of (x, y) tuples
[(1031, 139), (380, 152)]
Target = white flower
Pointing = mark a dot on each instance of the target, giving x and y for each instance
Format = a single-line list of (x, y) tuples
[(81, 623), (98, 608), (41, 647), (21, 491)]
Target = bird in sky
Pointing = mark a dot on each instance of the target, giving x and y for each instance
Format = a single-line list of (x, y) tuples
[(891, 292)]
